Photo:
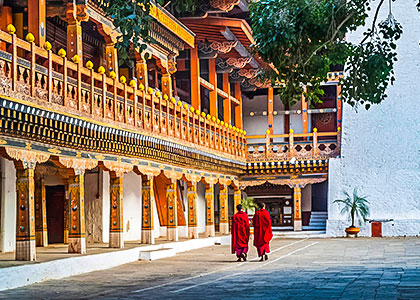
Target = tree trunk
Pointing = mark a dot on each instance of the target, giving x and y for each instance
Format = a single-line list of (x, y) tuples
[(352, 218)]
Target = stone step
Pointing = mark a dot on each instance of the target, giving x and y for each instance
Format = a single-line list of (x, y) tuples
[(157, 254), (319, 213)]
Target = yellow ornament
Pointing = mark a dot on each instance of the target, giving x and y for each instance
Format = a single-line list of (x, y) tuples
[(101, 70), (76, 59), (244, 132), (208, 117), (141, 87), (47, 46), (268, 131), (203, 114), (173, 100), (11, 29), (222, 123), (150, 90), (179, 103), (191, 108), (62, 52), (213, 119), (30, 37), (112, 74), (339, 129), (315, 129), (89, 64), (218, 121), (226, 125), (157, 94), (132, 83), (230, 126), (291, 130), (165, 97), (123, 79)]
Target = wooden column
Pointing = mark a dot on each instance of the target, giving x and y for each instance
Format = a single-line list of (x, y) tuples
[(195, 79), (270, 109), (226, 102), (74, 33), (147, 236), (167, 85), (37, 20), (141, 72), (304, 113), (192, 210), (41, 234), (238, 107), (210, 209), (6, 19), (25, 217), (77, 235), (171, 202), (66, 214), (237, 197), (213, 94), (297, 197), (111, 58), (224, 216), (116, 238)]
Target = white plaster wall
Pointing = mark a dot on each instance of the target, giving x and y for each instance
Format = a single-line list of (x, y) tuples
[(93, 208), (105, 206), (8, 206), (381, 147), (256, 125), (132, 206), (156, 224), (183, 230), (201, 207)]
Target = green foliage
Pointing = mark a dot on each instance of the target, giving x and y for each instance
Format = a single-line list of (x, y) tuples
[(248, 204), (303, 38), (357, 207)]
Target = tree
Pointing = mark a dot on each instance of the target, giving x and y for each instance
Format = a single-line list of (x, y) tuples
[(356, 206), (305, 38)]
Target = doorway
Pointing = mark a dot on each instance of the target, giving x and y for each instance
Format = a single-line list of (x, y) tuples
[(55, 213)]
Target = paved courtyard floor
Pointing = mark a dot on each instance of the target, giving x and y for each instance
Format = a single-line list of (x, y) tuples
[(296, 269)]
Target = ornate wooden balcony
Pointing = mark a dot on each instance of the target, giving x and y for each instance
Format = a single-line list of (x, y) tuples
[(301, 146), (50, 81)]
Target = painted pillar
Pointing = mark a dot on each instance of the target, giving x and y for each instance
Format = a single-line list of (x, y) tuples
[(141, 72), (25, 223), (167, 85), (37, 20), (304, 113), (339, 108), (226, 102), (74, 33), (224, 216), (147, 236), (213, 93), (237, 197), (111, 58), (171, 201), (192, 210), (41, 234), (210, 210), (77, 233), (297, 223), (270, 109), (66, 214), (195, 79), (116, 238), (238, 107)]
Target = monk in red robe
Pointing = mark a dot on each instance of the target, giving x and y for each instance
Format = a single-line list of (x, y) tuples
[(262, 231), (240, 234)]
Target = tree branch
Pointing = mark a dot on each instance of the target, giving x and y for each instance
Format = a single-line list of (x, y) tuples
[(374, 22)]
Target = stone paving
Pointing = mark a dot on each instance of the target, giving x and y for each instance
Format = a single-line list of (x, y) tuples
[(297, 269)]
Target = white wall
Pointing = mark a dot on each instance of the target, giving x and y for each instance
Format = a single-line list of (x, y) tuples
[(201, 207), (8, 206), (380, 147), (105, 207), (132, 206)]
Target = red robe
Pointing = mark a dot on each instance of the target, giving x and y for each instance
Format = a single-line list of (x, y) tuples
[(262, 231), (240, 231)]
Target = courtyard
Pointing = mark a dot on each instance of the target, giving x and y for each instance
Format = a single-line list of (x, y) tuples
[(383, 268)]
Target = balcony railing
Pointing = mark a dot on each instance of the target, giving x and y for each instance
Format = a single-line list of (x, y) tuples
[(302, 146), (37, 75)]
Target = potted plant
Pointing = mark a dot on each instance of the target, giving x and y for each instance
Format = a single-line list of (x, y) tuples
[(357, 208)]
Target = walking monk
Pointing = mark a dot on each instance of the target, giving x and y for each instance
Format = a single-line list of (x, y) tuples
[(262, 231), (240, 233)]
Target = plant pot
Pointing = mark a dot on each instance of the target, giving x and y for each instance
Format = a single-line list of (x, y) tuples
[(352, 231)]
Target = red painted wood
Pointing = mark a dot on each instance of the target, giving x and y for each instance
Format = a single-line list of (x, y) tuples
[(376, 229)]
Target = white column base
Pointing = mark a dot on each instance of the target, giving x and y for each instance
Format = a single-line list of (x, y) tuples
[(297, 225), (224, 228), (147, 237), (210, 231), (26, 250), (77, 245), (172, 234), (193, 232)]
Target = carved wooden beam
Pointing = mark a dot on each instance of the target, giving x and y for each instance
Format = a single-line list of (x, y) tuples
[(225, 5)]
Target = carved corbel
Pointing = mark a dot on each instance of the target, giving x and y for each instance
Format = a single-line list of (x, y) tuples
[(118, 167), (193, 178), (225, 5), (224, 181), (28, 158), (173, 175), (79, 165)]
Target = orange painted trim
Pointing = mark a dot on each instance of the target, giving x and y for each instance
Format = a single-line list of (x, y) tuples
[(213, 93), (226, 102), (270, 108), (195, 79)]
